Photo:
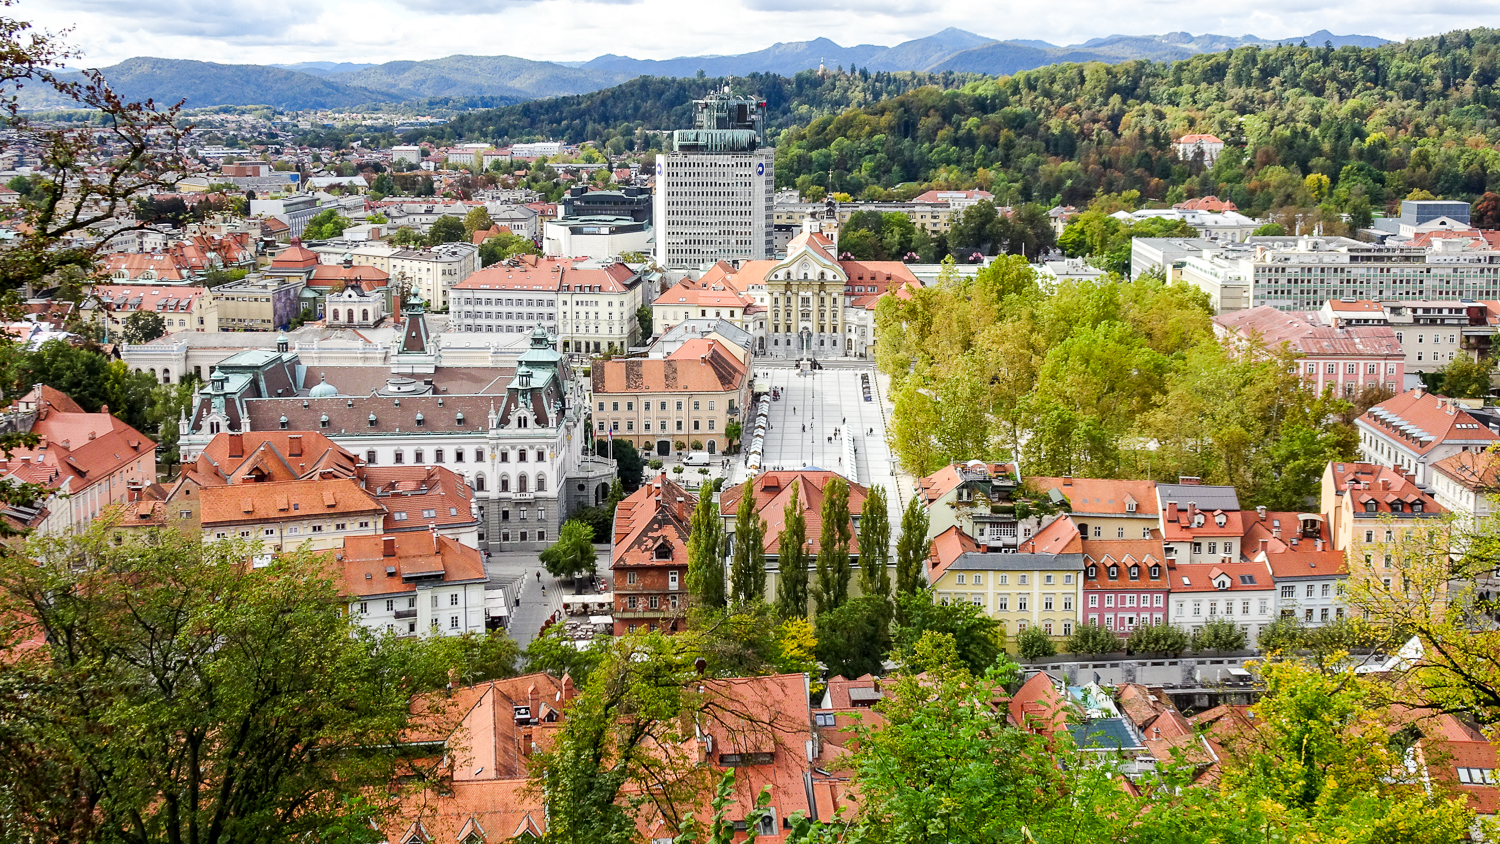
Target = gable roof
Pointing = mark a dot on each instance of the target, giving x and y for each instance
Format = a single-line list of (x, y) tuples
[(1421, 422), (700, 365), (773, 493), (274, 502), (1102, 497)]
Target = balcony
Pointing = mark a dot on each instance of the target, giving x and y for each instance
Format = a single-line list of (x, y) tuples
[(410, 613)]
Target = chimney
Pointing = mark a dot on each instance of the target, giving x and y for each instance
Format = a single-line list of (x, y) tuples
[(1318, 544), (1385, 483), (1171, 511), (1192, 510), (1067, 481), (681, 508), (294, 445), (1264, 545), (387, 546), (1260, 512), (236, 445)]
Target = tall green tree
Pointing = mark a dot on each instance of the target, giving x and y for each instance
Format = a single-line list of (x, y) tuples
[(445, 229), (912, 549), (791, 560), (143, 327), (573, 554), (705, 577), (477, 220), (833, 547), (747, 573), (875, 545)]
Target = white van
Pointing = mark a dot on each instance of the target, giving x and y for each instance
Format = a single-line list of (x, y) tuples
[(697, 458)]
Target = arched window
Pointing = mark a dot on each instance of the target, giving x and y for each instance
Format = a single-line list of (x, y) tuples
[(541, 482), (335, 317), (521, 485), (479, 483), (505, 483), (364, 315)]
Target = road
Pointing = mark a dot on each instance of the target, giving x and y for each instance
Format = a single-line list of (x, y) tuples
[(516, 572)]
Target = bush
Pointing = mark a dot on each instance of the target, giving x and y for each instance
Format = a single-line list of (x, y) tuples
[(1168, 639), (1220, 634), (1093, 639), (1032, 643)]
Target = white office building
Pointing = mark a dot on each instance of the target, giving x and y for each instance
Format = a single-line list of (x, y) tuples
[(715, 190)]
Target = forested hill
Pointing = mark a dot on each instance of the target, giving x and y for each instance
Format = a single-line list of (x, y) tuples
[(1336, 130), (624, 117)]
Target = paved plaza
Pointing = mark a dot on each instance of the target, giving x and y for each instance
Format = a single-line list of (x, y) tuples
[(817, 412)]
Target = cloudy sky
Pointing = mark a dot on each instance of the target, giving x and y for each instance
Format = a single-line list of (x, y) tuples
[(372, 31)]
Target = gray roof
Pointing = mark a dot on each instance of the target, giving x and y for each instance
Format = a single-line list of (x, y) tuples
[(971, 560), (1105, 734), (1206, 497)]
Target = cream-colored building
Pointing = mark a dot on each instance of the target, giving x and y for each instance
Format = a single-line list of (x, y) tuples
[(1039, 586), (687, 397), (290, 514), (431, 273), (181, 308)]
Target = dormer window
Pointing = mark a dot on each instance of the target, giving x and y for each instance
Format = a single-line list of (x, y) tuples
[(1416, 506), (420, 421), (1369, 506), (460, 418), (1220, 519), (1114, 572), (663, 551), (1397, 507), (1130, 506), (1155, 572), (1135, 572), (372, 420), (1093, 572)]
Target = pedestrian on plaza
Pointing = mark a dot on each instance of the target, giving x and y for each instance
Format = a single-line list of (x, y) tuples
[(538, 575), (804, 427)]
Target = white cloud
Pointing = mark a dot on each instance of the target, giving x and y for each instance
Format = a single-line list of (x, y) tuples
[(286, 31)]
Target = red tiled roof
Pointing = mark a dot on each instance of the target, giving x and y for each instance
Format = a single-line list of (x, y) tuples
[(1313, 554), (1477, 471), (1094, 496), (1058, 537), (1422, 421), (532, 272), (274, 502), (698, 366), (1205, 577), (79, 449), (1275, 328), (1195, 138), (1367, 482), (773, 492), (295, 256), (382, 565)]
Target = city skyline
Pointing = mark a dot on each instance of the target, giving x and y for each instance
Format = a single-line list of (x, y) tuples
[(280, 32)]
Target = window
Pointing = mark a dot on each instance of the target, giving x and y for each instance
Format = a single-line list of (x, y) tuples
[(437, 455), (1067, 602), (1002, 603), (978, 580), (1047, 603), (1109, 600), (1046, 578), (1021, 603), (370, 457), (960, 580), (1022, 580), (452, 622), (1067, 628)]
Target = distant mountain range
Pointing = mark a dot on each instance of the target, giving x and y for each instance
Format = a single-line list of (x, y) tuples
[(314, 85)]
